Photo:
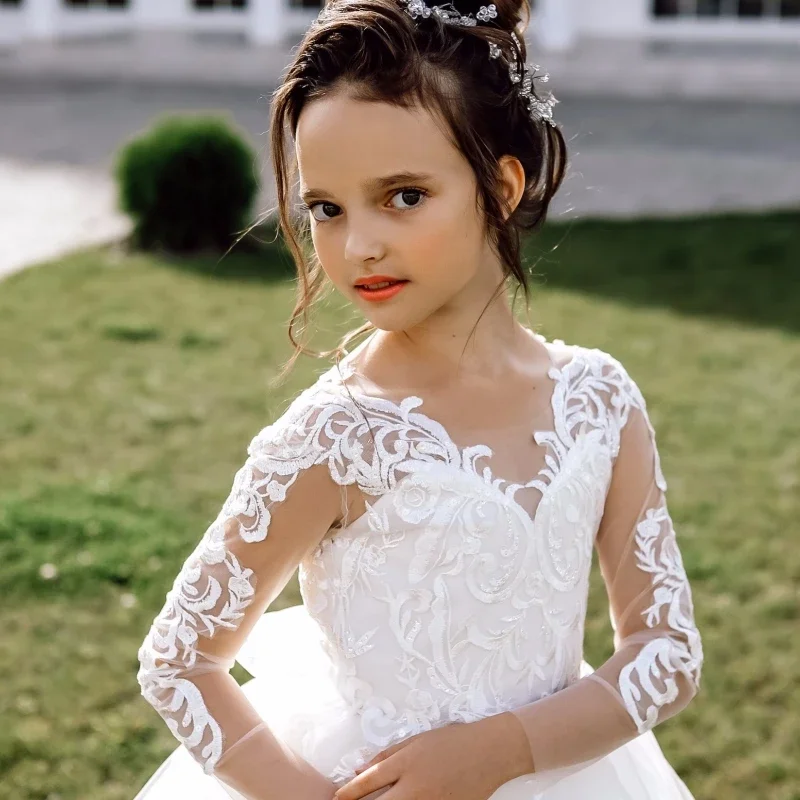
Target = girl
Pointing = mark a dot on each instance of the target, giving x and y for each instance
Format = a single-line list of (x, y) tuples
[(443, 486)]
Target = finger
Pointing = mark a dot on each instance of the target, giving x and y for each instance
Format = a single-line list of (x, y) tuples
[(375, 760), (372, 779), (383, 755), (395, 793)]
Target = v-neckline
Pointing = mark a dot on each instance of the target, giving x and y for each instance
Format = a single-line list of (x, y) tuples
[(486, 475)]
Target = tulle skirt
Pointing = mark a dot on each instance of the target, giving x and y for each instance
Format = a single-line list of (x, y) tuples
[(294, 692)]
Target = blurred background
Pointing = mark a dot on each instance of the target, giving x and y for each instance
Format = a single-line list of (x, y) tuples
[(135, 363)]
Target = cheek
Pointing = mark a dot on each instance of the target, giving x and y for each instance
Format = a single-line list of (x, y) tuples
[(329, 253), (437, 238), (422, 243)]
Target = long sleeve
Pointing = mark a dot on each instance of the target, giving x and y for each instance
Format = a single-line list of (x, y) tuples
[(283, 501), (655, 669)]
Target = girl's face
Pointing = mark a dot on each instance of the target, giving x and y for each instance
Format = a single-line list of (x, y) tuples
[(390, 195)]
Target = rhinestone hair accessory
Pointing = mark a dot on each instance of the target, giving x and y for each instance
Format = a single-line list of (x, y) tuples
[(522, 75)]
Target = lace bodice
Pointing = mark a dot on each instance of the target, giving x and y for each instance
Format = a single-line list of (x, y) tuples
[(457, 594)]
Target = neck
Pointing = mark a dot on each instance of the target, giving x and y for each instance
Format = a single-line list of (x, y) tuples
[(452, 347)]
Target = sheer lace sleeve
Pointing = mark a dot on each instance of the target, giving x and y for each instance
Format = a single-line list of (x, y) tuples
[(283, 501), (655, 669)]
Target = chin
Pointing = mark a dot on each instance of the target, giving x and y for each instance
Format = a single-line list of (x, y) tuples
[(404, 315), (394, 320)]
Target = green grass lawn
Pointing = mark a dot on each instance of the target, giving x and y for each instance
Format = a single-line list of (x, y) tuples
[(130, 387)]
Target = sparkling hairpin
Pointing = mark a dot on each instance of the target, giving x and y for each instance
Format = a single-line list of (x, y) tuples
[(417, 8), (541, 108)]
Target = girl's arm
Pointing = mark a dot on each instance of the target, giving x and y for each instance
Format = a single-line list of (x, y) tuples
[(282, 503), (655, 669)]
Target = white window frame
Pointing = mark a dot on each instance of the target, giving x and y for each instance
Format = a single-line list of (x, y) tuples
[(729, 9), (728, 26), (262, 21), (12, 24)]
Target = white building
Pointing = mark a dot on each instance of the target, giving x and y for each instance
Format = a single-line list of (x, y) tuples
[(559, 23)]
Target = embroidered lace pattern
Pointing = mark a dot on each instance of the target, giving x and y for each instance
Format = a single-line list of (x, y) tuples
[(452, 597)]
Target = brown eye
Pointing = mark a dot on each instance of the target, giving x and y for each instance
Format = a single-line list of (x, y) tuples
[(410, 197), (328, 208)]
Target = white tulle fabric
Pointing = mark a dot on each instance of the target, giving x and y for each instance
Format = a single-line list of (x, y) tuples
[(456, 595)]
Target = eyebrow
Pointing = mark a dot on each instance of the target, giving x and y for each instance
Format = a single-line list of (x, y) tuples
[(375, 184)]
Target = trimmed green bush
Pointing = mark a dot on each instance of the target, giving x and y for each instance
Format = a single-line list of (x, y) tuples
[(188, 183)]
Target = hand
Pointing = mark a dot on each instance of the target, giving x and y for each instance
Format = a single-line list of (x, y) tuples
[(468, 761)]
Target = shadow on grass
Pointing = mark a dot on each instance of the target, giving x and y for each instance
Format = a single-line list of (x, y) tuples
[(737, 266), (259, 257)]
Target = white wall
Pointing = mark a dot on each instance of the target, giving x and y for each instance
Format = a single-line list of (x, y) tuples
[(161, 14), (617, 18), (46, 20), (42, 18), (555, 24), (90, 21), (12, 25), (271, 21)]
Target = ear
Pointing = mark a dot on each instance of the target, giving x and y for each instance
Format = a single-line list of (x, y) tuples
[(512, 181)]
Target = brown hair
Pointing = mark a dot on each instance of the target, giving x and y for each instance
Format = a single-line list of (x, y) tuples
[(378, 53)]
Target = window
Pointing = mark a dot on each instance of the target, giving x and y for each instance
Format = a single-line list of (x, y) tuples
[(709, 8), (97, 3), (744, 9)]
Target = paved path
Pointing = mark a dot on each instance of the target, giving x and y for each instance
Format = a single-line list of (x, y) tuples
[(623, 68), (630, 157), (49, 210)]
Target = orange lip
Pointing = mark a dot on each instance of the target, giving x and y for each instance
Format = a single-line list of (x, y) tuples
[(375, 295), (374, 279)]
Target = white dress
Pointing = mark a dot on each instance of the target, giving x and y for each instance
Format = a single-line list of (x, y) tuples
[(456, 595)]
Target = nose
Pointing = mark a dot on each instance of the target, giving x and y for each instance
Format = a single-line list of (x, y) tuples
[(363, 241)]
